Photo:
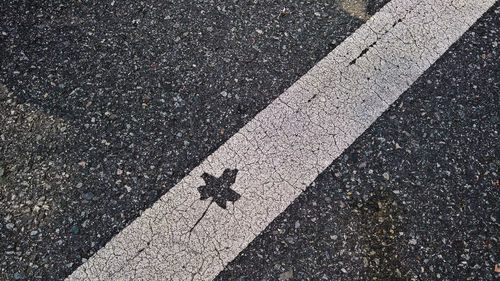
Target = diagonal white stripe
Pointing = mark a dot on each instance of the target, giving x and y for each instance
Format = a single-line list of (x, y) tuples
[(284, 148)]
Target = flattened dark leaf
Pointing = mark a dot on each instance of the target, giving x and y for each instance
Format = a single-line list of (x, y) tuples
[(219, 188)]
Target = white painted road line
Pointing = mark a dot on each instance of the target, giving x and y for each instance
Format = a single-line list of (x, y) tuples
[(282, 150)]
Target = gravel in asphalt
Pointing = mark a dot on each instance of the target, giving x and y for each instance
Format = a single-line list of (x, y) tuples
[(108, 104), (415, 197)]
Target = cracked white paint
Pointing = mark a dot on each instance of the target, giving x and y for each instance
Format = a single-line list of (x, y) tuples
[(284, 148)]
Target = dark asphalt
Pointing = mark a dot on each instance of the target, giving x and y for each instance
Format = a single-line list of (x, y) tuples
[(416, 197), (110, 103)]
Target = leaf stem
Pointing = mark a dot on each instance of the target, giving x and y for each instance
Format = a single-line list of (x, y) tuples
[(204, 213)]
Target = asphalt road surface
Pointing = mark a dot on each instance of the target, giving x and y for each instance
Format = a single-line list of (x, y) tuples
[(107, 106)]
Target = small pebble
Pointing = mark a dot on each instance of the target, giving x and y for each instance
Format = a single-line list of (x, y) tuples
[(88, 196), (286, 275), (74, 229)]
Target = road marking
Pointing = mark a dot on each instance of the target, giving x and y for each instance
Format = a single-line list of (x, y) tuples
[(274, 157)]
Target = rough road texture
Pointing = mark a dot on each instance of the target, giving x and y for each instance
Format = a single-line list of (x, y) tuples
[(134, 95), (413, 198), (284, 148)]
